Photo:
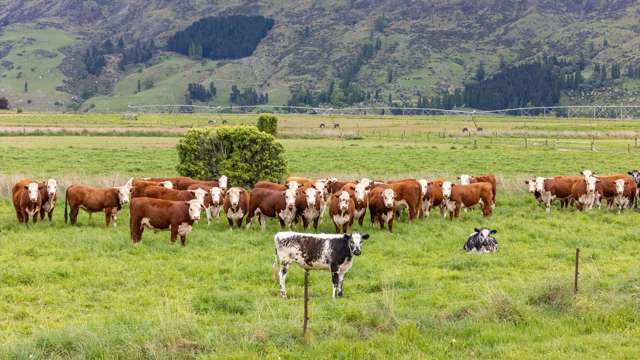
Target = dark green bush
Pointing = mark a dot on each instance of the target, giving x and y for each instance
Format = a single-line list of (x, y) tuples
[(268, 123), (243, 153)]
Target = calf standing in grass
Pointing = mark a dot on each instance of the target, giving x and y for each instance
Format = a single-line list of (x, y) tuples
[(309, 203), (157, 214), (317, 252), (382, 206), (342, 210), (272, 203), (236, 205), (27, 200), (625, 194), (481, 241)]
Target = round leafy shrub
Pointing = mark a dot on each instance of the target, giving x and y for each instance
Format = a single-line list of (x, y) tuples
[(268, 123), (243, 153)]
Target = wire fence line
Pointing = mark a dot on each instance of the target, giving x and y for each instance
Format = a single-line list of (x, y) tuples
[(583, 111)]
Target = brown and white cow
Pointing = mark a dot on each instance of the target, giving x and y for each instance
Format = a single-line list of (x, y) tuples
[(470, 179), (160, 192), (606, 188), (141, 183), (456, 197), (91, 199), (158, 214), (583, 193), (558, 187), (382, 206), (236, 205), (49, 194), (408, 194), (27, 200), (183, 182), (532, 187), (626, 190), (213, 202), (272, 203), (433, 197), (275, 186), (309, 202), (341, 210)]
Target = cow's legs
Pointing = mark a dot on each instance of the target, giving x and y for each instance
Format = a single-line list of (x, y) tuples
[(174, 232), (305, 222), (315, 223), (337, 227), (263, 222), (335, 279), (345, 228), (340, 282), (207, 211), (282, 275), (19, 216), (107, 216), (183, 240), (74, 215), (390, 224)]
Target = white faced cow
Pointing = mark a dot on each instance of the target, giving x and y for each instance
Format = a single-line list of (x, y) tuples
[(217, 200), (481, 241), (317, 252)]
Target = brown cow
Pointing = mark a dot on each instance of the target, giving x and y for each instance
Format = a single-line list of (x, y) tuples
[(626, 191), (90, 199), (236, 205), (27, 200), (275, 186), (606, 188), (491, 179), (382, 206), (455, 197), (141, 183), (309, 201), (157, 214), (214, 201), (558, 187), (408, 194), (360, 197), (49, 194), (433, 197), (341, 210), (183, 182), (583, 193), (272, 203)]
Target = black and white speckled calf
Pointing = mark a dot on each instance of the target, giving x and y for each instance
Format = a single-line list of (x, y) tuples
[(317, 252), (481, 241)]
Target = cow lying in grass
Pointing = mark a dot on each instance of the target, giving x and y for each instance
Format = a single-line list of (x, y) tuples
[(317, 252), (481, 241)]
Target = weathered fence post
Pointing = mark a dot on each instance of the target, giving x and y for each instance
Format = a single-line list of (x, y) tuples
[(305, 322), (526, 143), (636, 145), (577, 272)]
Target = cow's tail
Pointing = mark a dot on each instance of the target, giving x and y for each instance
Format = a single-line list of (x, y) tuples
[(66, 202)]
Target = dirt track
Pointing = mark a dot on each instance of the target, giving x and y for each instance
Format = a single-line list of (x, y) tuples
[(94, 130)]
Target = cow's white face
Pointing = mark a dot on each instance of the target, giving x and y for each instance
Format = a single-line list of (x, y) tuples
[(620, 186), (199, 194), (388, 196), (223, 181), (52, 187), (167, 184), (360, 192), (446, 189), (195, 207), (424, 185), (540, 184), (234, 197), (310, 195), (531, 184), (290, 198), (355, 242), (465, 179), (293, 185), (485, 233), (320, 185), (587, 173), (365, 182), (216, 196), (591, 184), (123, 194), (343, 201), (32, 190)]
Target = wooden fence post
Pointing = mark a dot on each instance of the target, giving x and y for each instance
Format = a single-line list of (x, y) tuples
[(577, 272), (306, 305)]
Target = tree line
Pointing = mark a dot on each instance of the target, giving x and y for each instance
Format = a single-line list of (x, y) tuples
[(94, 57)]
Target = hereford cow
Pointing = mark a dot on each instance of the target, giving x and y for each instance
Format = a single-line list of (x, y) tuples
[(309, 203), (275, 186), (213, 202), (141, 183), (272, 203), (183, 182), (558, 187), (583, 193), (236, 205), (342, 210), (336, 186), (491, 179), (160, 192), (157, 214), (317, 252), (626, 190), (408, 194), (532, 188), (382, 207), (606, 188), (49, 194), (27, 200), (433, 197), (90, 199), (481, 241), (424, 187), (455, 197)]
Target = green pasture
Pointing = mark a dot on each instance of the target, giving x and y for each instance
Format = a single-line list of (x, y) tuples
[(86, 292)]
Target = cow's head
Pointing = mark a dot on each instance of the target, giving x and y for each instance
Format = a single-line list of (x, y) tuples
[(365, 182), (465, 179), (124, 191), (199, 194), (591, 184), (636, 175), (343, 201), (293, 185), (355, 242), (216, 196), (620, 183), (321, 185), (446, 189), (360, 192), (129, 184), (33, 190), (234, 197), (167, 184), (290, 198), (424, 185), (223, 182), (531, 184), (310, 195), (388, 197), (586, 173), (540, 184), (484, 233), (195, 207), (52, 187)]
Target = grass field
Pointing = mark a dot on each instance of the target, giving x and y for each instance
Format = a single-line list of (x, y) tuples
[(87, 292)]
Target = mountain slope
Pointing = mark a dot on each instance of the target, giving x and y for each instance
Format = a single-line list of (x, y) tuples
[(428, 46)]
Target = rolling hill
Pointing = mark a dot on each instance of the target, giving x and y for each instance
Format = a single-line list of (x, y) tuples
[(426, 47)]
